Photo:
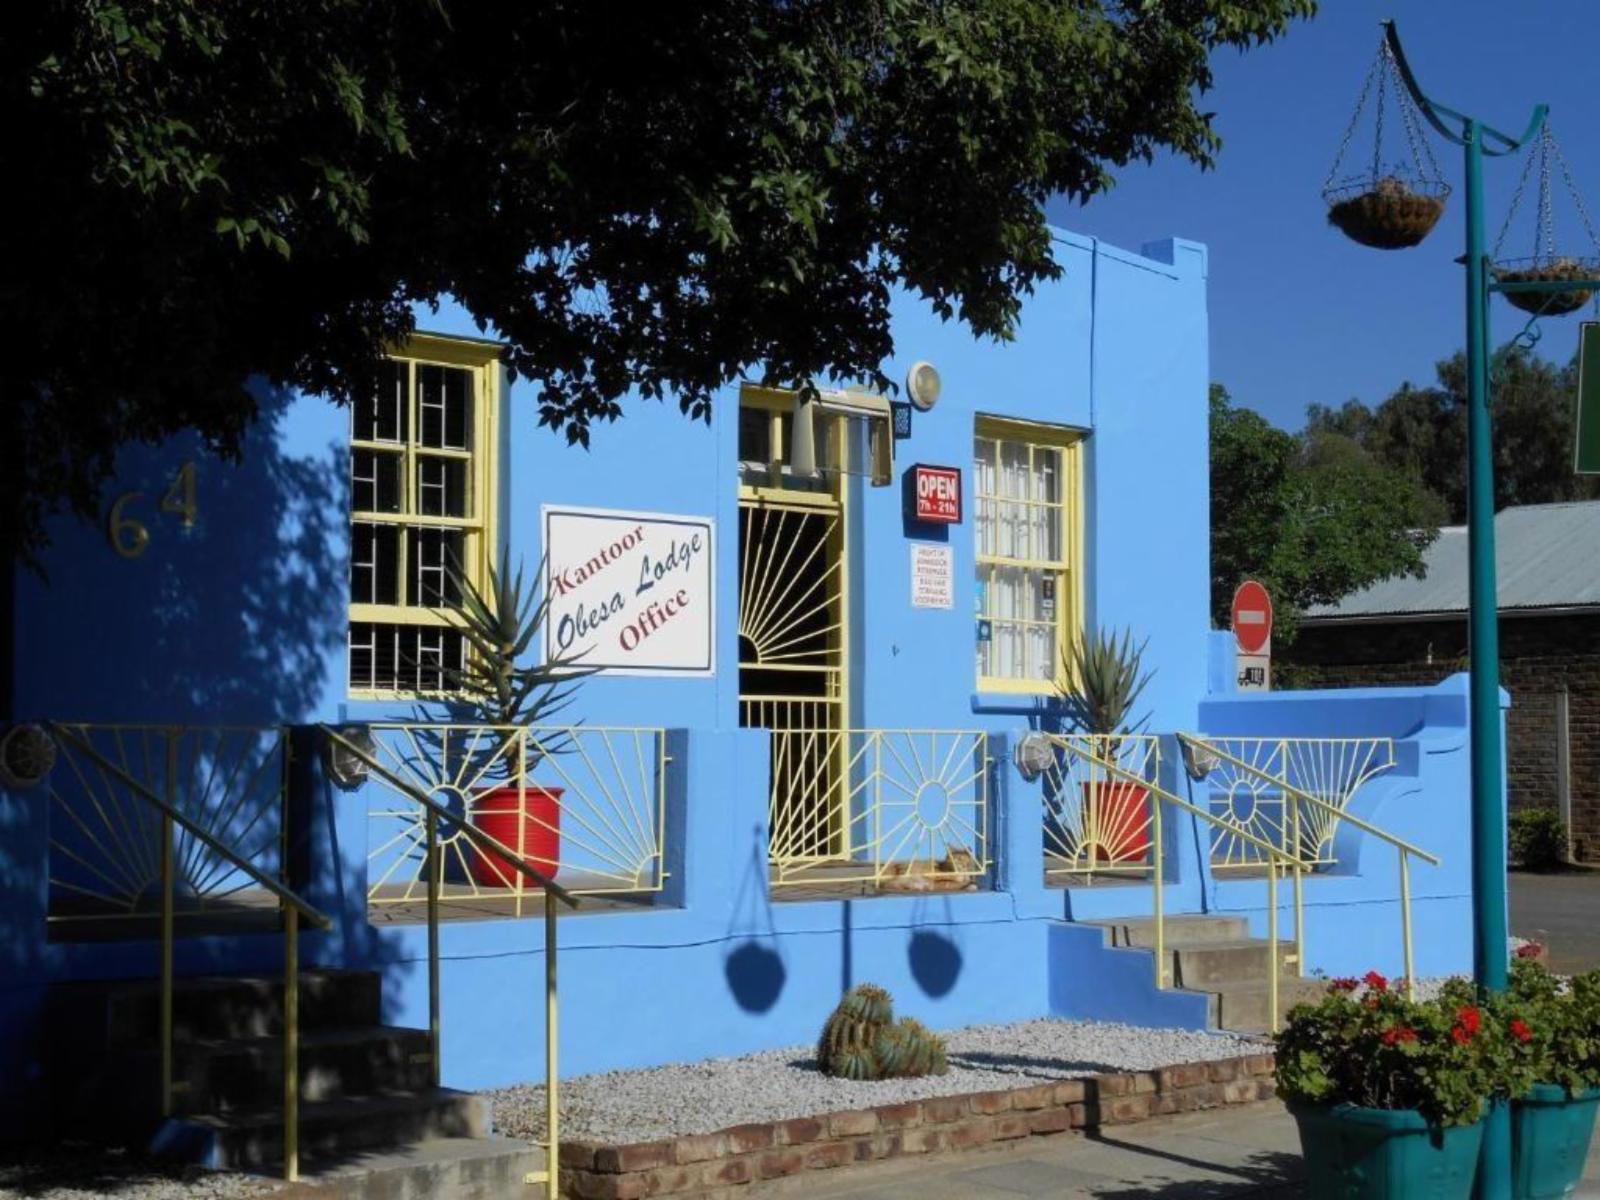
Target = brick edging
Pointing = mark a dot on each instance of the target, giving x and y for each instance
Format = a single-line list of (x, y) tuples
[(752, 1153)]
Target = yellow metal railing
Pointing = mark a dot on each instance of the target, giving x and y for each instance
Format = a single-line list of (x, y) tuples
[(1258, 782), (455, 823), (176, 828), (1109, 769), (1099, 822), (107, 845), (583, 804), (879, 806), (1325, 816)]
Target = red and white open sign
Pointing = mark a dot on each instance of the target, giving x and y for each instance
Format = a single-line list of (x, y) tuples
[(936, 494), (1252, 617)]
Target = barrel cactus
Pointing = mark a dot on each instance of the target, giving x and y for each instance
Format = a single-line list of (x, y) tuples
[(862, 1041)]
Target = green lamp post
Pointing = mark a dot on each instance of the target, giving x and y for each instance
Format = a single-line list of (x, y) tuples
[(1490, 934)]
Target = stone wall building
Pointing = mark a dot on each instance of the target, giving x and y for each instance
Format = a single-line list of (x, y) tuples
[(1414, 631)]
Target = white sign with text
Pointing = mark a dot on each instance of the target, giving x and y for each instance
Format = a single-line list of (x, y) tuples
[(630, 593), (932, 577)]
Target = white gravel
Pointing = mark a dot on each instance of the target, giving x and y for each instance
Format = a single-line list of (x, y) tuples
[(87, 1173), (702, 1097)]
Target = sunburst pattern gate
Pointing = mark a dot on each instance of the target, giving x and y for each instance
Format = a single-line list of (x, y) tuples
[(791, 656)]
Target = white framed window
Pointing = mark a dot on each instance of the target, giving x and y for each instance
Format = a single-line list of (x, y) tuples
[(1027, 513)]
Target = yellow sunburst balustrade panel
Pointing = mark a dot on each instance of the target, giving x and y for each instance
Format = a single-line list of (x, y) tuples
[(1260, 786), (108, 842), (898, 809), (583, 806), (1098, 818)]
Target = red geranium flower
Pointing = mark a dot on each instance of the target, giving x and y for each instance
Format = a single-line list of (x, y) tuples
[(1400, 1033), (1375, 981), (1461, 1036), (1471, 1019), (1345, 984), (1529, 950), (1520, 1030)]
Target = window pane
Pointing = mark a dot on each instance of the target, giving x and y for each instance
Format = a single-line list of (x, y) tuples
[(380, 414), (1047, 512), (444, 407), (755, 435), (441, 487), (433, 555), (404, 658), (374, 564), (374, 481)]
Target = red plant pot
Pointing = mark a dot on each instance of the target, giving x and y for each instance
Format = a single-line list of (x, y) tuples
[(1123, 814), (498, 813)]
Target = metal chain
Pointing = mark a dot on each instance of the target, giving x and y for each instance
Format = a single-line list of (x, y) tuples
[(1377, 137), (1416, 136), (1516, 200), (1572, 187), (1355, 118), (1547, 223)]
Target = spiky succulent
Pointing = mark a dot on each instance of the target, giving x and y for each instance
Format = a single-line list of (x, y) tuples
[(861, 1040), (1106, 678)]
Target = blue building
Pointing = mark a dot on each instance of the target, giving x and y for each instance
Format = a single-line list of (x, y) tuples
[(824, 740)]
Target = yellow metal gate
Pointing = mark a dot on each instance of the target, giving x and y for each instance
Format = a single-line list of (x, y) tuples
[(791, 662)]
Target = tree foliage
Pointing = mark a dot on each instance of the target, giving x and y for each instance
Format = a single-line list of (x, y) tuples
[(1423, 431), (1313, 516), (658, 197)]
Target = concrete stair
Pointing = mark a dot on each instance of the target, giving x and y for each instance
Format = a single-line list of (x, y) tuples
[(1216, 956), (365, 1087)]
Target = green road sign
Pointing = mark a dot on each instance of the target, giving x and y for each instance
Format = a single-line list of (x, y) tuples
[(1587, 434)]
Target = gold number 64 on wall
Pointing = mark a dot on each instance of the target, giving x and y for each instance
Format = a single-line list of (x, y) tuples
[(129, 536)]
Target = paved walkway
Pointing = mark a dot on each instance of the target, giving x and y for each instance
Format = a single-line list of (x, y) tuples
[(1563, 911), (1251, 1151)]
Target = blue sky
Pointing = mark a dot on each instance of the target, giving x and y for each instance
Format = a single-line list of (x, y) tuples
[(1301, 315)]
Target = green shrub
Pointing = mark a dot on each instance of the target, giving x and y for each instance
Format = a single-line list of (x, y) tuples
[(1538, 840)]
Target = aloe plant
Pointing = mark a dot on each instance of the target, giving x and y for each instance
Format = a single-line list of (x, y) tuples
[(501, 625), (1107, 677)]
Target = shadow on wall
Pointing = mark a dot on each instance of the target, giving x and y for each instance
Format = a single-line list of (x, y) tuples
[(754, 968), (935, 958), (237, 617)]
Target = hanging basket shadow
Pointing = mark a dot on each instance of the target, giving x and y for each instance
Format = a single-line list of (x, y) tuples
[(1545, 269), (1388, 213)]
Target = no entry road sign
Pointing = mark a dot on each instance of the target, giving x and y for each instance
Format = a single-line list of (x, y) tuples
[(1252, 618)]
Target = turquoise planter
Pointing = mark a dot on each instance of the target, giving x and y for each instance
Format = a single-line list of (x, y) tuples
[(1550, 1134), (1373, 1154)]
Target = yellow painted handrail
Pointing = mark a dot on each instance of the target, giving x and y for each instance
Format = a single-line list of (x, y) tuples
[(435, 813), (70, 735), (1277, 858), (1308, 797), (294, 909), (439, 812)]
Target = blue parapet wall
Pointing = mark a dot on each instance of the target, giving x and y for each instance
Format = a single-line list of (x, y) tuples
[(1352, 920)]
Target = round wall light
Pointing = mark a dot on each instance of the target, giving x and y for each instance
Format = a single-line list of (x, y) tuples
[(922, 385)]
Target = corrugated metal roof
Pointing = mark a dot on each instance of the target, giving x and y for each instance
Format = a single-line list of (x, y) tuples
[(1547, 556)]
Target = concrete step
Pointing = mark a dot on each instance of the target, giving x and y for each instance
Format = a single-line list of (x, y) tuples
[(437, 1169), (1188, 929), (247, 1073), (1244, 1007), (329, 1131), (1206, 966), (240, 1006)]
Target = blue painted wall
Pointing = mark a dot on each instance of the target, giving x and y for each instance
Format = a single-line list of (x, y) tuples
[(242, 619)]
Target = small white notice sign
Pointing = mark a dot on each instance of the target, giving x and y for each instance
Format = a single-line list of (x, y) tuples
[(630, 593), (932, 577)]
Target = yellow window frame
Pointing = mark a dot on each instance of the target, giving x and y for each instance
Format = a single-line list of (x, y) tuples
[(481, 526), (1068, 568)]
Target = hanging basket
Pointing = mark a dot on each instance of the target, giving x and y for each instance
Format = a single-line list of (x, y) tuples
[(1390, 213), (1547, 270)]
